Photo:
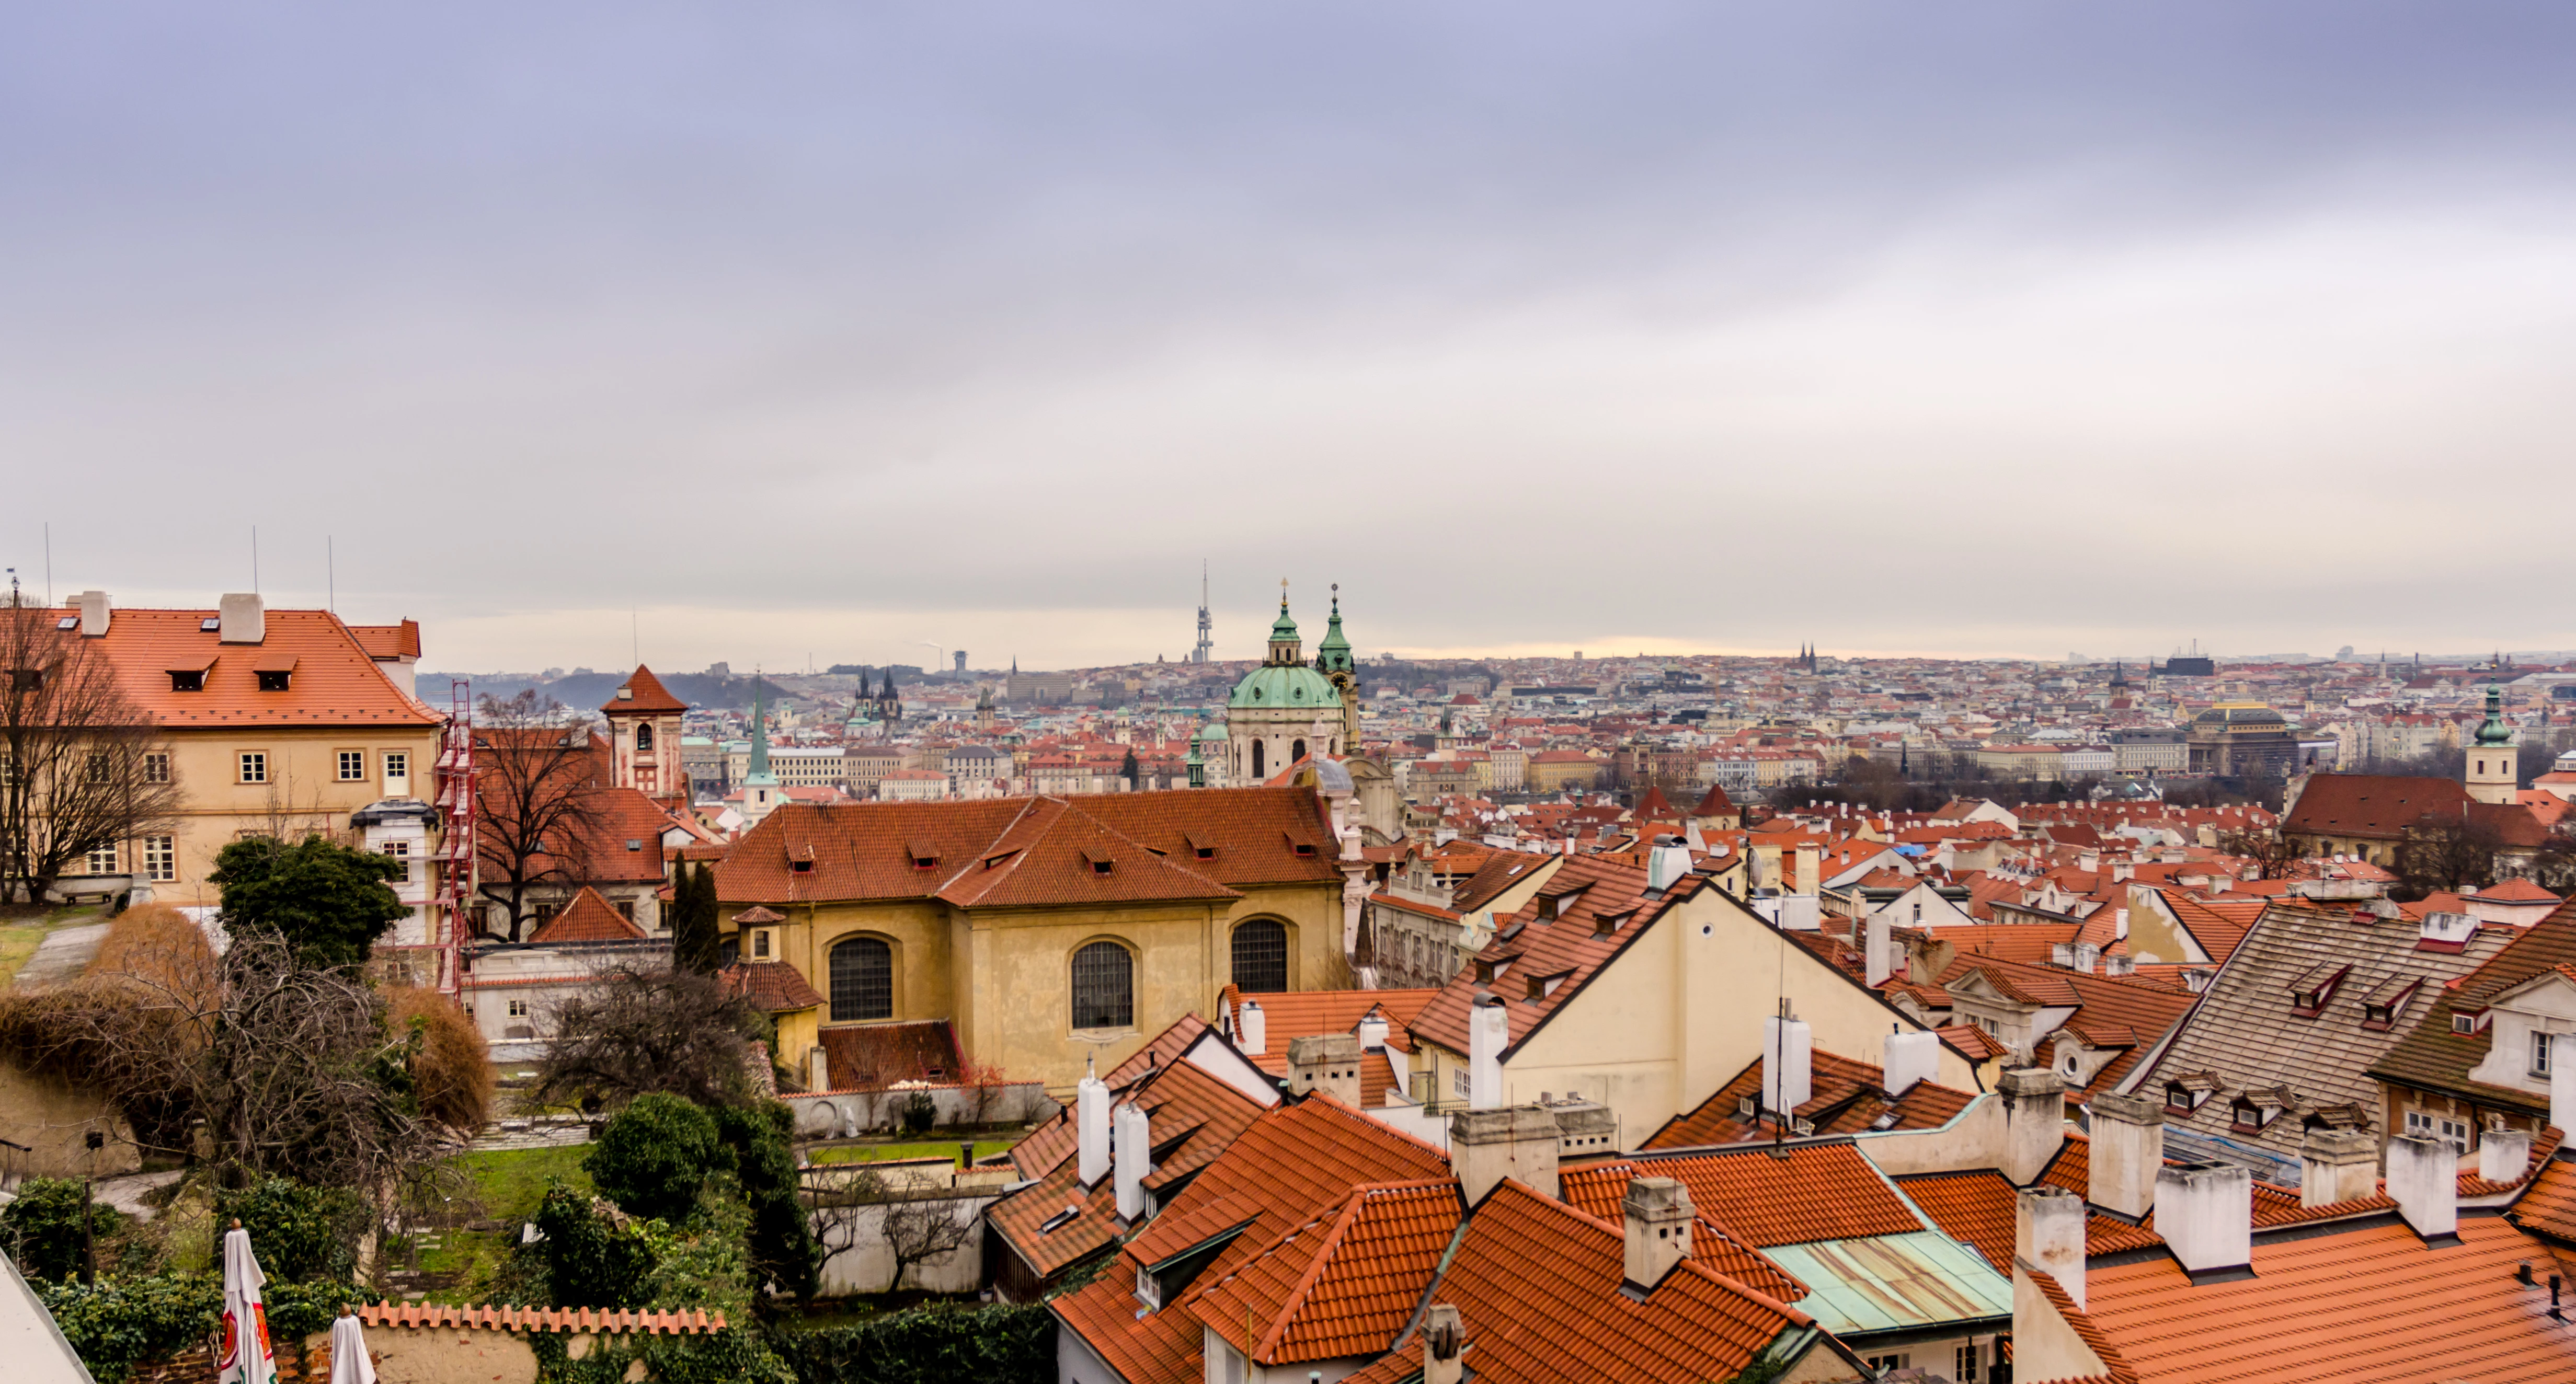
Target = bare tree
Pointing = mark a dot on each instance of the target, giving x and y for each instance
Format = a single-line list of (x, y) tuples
[(2270, 853), (536, 785), (638, 1029), (83, 769), (916, 1226), (2447, 852)]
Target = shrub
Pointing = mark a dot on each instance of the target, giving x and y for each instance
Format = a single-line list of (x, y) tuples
[(784, 1257), (451, 1067), (654, 1157), (329, 901), (918, 1112), (42, 1228), (298, 1232), (591, 1260), (122, 1322), (1000, 1344)]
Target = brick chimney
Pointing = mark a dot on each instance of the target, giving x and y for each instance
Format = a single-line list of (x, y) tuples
[(1906, 1059), (1444, 1346), (2034, 1121), (1091, 1128), (1327, 1062), (2205, 1211), (2337, 1165), (2048, 1235), (2423, 1175), (2128, 1148), (1135, 1156), (2504, 1155), (1486, 1146), (1788, 1062), (1489, 1031), (1657, 1213), (240, 619), (1251, 1029)]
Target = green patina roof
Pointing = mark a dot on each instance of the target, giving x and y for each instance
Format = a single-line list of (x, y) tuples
[(2494, 732), (1212, 732), (1283, 627), (1292, 685), (1334, 654)]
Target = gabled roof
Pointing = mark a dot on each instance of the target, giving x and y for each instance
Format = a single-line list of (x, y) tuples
[(334, 682), (774, 986), (2371, 806), (1537, 1285), (645, 694), (1846, 1100), (1344, 1283), (2433, 1057), (1815, 1191), (588, 918), (1057, 854)]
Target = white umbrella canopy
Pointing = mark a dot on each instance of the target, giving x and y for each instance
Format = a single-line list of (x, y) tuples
[(248, 1357), (349, 1362)]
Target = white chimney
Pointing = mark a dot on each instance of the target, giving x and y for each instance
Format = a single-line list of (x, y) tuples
[(1135, 1159), (1091, 1128), (1907, 1059), (1372, 1032), (1444, 1346), (2562, 1096), (2504, 1155), (1788, 1058), (1251, 1029), (2034, 1121), (2086, 955), (2337, 1165), (2448, 931), (1327, 1062), (1489, 1031), (2205, 1211), (1486, 1146), (240, 619), (818, 1069), (1877, 950), (2128, 1148), (93, 613), (2048, 1235), (1666, 864), (2423, 1176), (1657, 1215)]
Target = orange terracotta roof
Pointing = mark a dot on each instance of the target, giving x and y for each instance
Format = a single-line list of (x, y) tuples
[(646, 694), (588, 1320), (871, 1057), (1537, 1284), (1815, 1192), (1290, 1014), (2359, 1304), (1344, 1283), (388, 642), (774, 986), (334, 680), (1846, 1100), (2549, 1205), (588, 918)]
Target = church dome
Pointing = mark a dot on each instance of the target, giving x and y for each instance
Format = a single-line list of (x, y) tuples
[(1292, 687), (1212, 733)]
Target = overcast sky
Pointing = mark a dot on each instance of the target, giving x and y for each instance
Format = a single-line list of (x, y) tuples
[(780, 330)]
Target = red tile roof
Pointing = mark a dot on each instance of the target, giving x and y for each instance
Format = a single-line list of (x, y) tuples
[(1815, 1192), (1846, 1100), (2377, 807), (775, 986), (646, 694), (386, 642), (1344, 1283), (588, 918), (603, 1321), (334, 680), (871, 1057)]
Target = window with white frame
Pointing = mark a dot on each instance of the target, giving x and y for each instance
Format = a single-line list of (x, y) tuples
[(2540, 1054), (397, 764), (400, 852), (518, 1009), (353, 765), (1458, 1082), (1963, 1363), (160, 857), (2452, 1132), (254, 766), (103, 861), (156, 767)]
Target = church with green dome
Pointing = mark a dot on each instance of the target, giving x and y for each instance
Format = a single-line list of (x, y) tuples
[(1288, 709)]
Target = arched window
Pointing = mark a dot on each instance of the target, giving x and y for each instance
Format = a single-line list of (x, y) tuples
[(1296, 751), (862, 980), (1261, 956), (1104, 987), (643, 739), (1256, 760)]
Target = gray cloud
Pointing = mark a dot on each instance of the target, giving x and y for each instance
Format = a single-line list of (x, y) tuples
[(1961, 328)]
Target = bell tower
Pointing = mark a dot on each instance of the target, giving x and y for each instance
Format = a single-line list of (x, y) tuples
[(644, 738), (2493, 769)]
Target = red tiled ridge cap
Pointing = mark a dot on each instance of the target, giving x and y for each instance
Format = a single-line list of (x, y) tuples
[(608, 1321)]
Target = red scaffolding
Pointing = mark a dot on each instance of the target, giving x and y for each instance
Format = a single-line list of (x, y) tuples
[(455, 851)]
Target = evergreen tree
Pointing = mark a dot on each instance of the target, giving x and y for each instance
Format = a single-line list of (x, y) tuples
[(694, 945)]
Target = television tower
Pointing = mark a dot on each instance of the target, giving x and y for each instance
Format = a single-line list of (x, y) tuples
[(1205, 650)]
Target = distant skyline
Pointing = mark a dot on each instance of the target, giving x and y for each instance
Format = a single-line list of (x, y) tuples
[(1979, 329)]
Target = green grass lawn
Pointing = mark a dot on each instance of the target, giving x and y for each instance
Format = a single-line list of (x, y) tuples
[(18, 941), (879, 1153), (510, 1182)]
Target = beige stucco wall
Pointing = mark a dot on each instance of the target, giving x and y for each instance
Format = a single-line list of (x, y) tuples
[(303, 789), (52, 1116)]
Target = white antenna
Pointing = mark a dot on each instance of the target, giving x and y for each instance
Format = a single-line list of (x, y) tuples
[(330, 574), (254, 559), (49, 564)]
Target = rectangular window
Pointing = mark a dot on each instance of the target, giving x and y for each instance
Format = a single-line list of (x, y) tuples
[(254, 766), (353, 765), (2540, 1054), (760, 943), (1963, 1364), (518, 1009), (160, 857), (400, 851), (1458, 1082), (156, 767), (103, 862), (397, 764)]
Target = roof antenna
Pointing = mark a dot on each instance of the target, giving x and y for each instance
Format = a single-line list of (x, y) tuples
[(254, 559), (49, 564), (330, 575)]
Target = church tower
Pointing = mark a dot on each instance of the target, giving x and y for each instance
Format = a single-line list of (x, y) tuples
[(1333, 660), (1282, 711), (760, 794), (644, 738), (2493, 768)]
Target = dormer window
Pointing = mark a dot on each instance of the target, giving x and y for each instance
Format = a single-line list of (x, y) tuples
[(801, 867), (187, 679), (2314, 989), (2247, 1117), (1102, 867), (276, 681), (26, 679), (1305, 850), (2464, 1023), (1205, 852)]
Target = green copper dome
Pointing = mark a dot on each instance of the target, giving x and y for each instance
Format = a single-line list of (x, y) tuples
[(1210, 734), (1294, 686), (2493, 733), (1333, 655), (1283, 628)]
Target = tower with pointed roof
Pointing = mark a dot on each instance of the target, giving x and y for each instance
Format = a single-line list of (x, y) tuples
[(1284, 710), (644, 737), (759, 783), (2494, 770)]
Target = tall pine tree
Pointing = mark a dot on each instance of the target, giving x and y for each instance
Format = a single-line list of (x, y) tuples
[(693, 930)]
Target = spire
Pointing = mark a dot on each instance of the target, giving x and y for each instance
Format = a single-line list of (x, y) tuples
[(2493, 733), (1333, 655), (1283, 634), (756, 773)]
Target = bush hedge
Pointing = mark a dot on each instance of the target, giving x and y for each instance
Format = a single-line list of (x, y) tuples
[(124, 1322), (1001, 1343)]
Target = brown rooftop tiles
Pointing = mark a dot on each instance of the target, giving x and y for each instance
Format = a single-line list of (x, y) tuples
[(1342, 1284), (1846, 1100), (588, 918), (1814, 1192)]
